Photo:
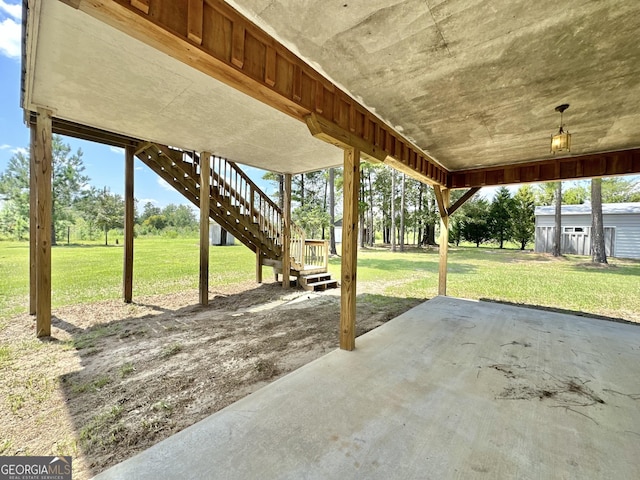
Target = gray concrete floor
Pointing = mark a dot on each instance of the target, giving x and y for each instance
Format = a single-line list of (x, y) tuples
[(451, 389)]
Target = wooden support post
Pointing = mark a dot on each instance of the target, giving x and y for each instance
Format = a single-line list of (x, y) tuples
[(445, 195), (351, 188), (127, 275), (286, 232), (32, 223), (258, 265), (43, 167), (205, 192)]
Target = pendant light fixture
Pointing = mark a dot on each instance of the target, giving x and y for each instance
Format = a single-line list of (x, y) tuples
[(562, 140)]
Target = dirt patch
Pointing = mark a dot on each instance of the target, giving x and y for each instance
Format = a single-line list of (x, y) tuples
[(115, 379)]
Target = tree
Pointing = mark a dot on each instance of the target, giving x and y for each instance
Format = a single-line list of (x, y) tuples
[(402, 210), (332, 211), (109, 211), (67, 183), (180, 216), (557, 239), (149, 210), (575, 195), (393, 210), (523, 216), (14, 188), (475, 224), (500, 216), (618, 190), (311, 218), (157, 222), (599, 254)]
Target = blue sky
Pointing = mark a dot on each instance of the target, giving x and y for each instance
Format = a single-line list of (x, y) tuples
[(104, 164)]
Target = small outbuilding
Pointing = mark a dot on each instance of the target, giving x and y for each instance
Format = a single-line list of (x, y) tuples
[(621, 229), (218, 236)]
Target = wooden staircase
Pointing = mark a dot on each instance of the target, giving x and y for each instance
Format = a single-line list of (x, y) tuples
[(242, 209)]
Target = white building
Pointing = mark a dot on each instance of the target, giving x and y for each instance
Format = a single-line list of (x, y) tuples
[(219, 236), (621, 229)]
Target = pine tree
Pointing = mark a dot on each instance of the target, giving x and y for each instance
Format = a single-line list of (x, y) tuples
[(500, 216), (523, 216)]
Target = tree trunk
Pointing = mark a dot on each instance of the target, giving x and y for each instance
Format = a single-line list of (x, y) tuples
[(332, 211), (393, 210), (324, 203), (106, 233), (371, 232), (557, 239), (281, 191), (402, 206), (431, 232), (53, 222), (420, 191), (599, 252), (361, 215), (302, 189)]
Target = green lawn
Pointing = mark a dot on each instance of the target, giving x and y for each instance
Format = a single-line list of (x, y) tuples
[(568, 283), (83, 274)]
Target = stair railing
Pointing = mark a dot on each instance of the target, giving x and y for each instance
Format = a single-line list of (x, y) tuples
[(244, 194), (316, 253), (297, 247), (233, 187)]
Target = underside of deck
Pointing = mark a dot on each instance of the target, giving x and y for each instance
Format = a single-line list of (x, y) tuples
[(451, 389)]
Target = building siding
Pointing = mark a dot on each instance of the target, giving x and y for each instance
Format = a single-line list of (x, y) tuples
[(626, 227)]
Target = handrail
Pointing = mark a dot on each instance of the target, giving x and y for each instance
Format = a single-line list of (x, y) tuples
[(297, 246), (316, 249), (241, 192)]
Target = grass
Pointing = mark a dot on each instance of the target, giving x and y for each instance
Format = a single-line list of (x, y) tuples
[(568, 283), (85, 274), (93, 435), (171, 350), (127, 369), (92, 386)]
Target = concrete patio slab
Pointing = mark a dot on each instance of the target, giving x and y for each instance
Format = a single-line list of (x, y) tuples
[(451, 389)]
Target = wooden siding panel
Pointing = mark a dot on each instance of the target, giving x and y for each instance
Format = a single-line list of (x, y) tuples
[(284, 77), (172, 15), (254, 57), (307, 91), (216, 34)]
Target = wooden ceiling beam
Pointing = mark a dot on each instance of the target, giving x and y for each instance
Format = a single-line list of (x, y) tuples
[(214, 38), (84, 132), (463, 199), (606, 164)]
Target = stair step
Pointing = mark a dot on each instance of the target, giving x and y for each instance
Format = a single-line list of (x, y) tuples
[(316, 276), (322, 285)]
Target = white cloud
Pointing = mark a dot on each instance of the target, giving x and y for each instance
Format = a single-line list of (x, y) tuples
[(12, 9), (21, 150), (138, 168), (118, 150), (165, 185), (5, 146), (10, 38)]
